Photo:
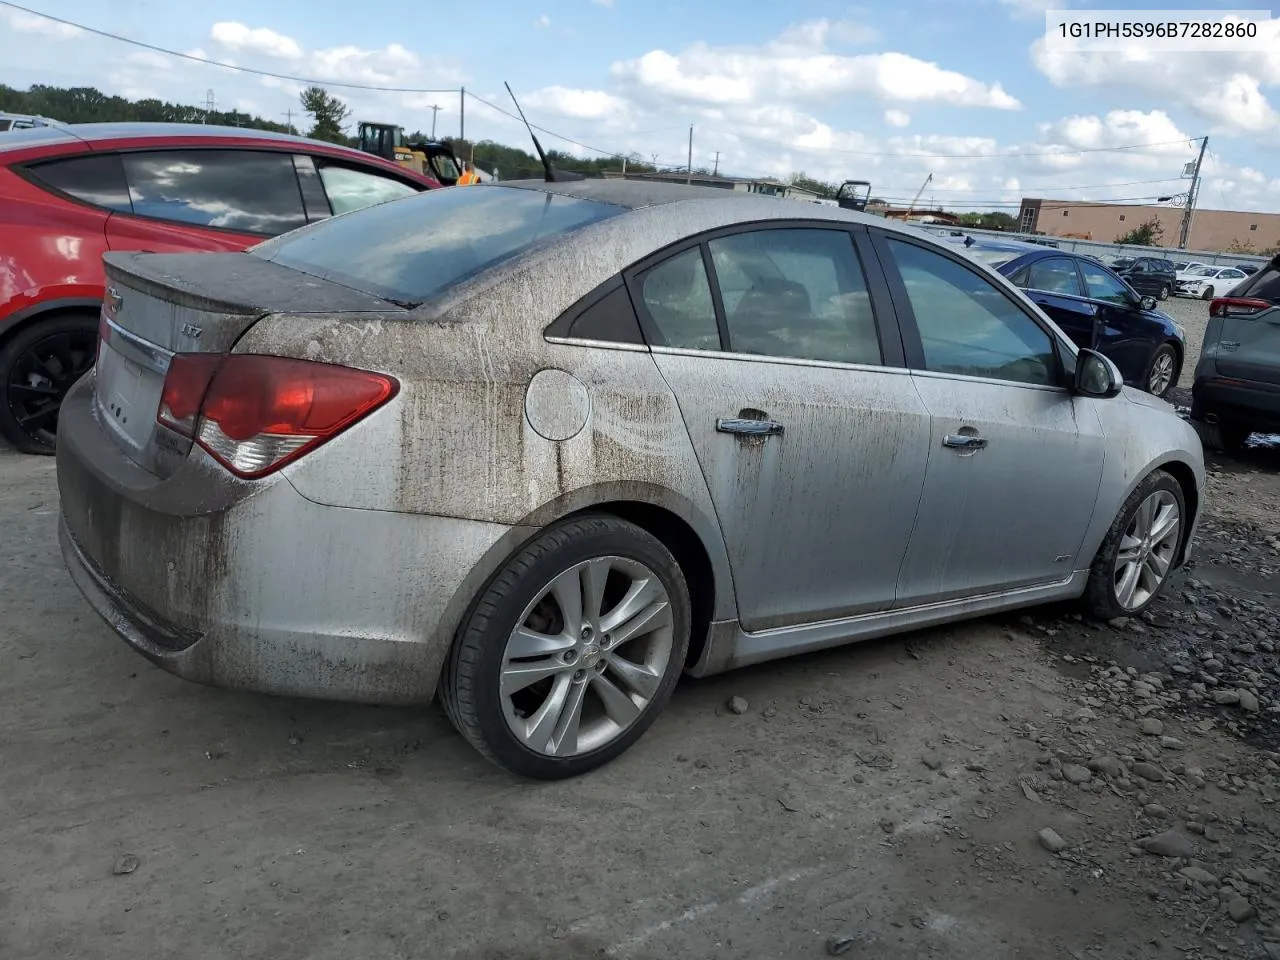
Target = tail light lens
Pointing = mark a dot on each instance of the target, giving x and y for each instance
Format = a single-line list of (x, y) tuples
[(254, 414), (1237, 306)]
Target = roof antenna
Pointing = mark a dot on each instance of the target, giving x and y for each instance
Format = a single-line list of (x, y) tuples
[(552, 175)]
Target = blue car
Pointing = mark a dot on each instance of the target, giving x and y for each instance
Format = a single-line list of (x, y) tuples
[(1094, 307)]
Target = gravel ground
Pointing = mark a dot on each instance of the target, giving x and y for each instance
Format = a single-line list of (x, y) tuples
[(1194, 315), (1034, 786)]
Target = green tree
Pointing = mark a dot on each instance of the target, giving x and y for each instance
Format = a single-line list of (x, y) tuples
[(1240, 246), (1145, 234), (328, 112), (994, 220), (821, 187)]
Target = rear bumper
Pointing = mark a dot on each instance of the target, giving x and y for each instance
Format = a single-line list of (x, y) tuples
[(252, 586), (1247, 403)]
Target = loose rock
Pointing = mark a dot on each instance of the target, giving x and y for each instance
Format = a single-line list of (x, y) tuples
[(1148, 771), (1152, 726), (836, 946), (1248, 702), (931, 760), (737, 705), (1199, 875), (1050, 840), (125, 864), (1241, 910), (1075, 773), (1225, 697), (1171, 843)]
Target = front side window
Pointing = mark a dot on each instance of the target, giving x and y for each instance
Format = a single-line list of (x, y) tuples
[(795, 293), (1054, 275), (410, 251), (967, 325), (677, 296), (350, 189), (1101, 285), (97, 179), (242, 190)]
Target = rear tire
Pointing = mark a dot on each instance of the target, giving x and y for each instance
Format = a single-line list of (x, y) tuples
[(38, 365), (605, 665), (1232, 437), (1126, 576), (1164, 292)]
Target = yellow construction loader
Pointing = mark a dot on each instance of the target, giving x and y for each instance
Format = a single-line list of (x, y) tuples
[(432, 158)]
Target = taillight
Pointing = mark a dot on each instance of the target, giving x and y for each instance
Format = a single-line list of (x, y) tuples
[(1237, 306), (254, 414)]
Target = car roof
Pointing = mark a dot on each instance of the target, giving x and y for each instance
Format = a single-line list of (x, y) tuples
[(91, 133)]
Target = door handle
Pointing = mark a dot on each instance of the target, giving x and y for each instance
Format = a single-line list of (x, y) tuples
[(748, 428), (961, 442)]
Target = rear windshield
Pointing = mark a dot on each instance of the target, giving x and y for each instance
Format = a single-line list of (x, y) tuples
[(1264, 285), (408, 250), (994, 258)]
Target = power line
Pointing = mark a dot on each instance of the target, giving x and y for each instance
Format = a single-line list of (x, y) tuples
[(906, 154), (310, 81)]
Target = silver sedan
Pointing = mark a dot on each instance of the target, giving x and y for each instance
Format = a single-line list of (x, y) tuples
[(542, 448)]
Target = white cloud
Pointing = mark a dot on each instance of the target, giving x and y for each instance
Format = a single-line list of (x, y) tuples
[(1226, 92), (797, 66), (576, 104), (29, 23), (543, 21), (262, 40), (897, 118)]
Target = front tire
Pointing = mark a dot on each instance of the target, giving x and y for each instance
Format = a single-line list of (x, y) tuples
[(38, 365), (1208, 294), (1162, 371), (1134, 562), (1164, 292), (572, 650)]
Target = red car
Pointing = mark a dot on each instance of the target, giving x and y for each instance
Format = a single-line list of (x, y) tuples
[(70, 193)]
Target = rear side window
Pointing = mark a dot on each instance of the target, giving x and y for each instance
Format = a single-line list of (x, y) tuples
[(243, 190), (1054, 275), (677, 296), (1264, 285), (97, 179), (410, 251), (350, 189)]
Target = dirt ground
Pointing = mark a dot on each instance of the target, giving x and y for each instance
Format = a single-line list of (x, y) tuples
[(881, 801)]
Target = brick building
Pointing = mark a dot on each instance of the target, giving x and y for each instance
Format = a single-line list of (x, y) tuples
[(1104, 222)]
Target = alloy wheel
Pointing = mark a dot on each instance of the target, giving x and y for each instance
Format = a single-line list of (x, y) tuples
[(1147, 549), (41, 376), (588, 656), (1161, 376)]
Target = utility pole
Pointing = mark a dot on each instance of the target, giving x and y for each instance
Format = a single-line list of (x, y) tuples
[(1185, 233), (688, 176), (208, 104), (288, 119), (462, 114), (435, 111), (624, 168), (716, 171)]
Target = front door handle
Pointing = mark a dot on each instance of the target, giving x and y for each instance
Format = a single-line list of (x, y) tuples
[(748, 428), (962, 442)]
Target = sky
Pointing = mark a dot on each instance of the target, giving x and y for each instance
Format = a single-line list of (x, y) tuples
[(965, 90)]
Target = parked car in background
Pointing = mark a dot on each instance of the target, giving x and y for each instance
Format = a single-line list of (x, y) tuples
[(1248, 269), (17, 121), (1150, 276), (1237, 383), (68, 194), (1095, 308), (541, 456), (1206, 281), (1181, 266)]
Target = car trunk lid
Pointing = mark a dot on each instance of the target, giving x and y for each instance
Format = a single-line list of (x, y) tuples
[(159, 305)]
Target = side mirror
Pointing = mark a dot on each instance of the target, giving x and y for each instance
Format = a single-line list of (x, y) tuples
[(1147, 303), (1096, 376)]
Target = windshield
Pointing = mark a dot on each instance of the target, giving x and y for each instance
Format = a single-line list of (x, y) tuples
[(1202, 272), (407, 251)]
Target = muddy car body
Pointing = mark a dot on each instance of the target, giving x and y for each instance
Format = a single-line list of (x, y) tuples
[(527, 418)]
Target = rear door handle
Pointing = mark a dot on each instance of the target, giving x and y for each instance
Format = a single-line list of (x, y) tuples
[(961, 442), (748, 428)]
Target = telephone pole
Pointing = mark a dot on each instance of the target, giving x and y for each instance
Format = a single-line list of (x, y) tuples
[(462, 114), (288, 119), (435, 111), (716, 170), (688, 176), (1185, 233)]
